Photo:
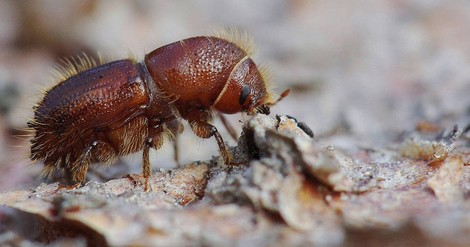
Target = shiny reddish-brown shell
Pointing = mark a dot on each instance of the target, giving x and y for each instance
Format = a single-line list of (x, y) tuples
[(98, 99), (206, 72), (97, 113)]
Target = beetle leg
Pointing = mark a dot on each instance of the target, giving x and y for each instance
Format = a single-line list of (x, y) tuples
[(146, 163), (175, 128), (68, 187), (176, 151), (155, 140), (80, 167), (206, 130)]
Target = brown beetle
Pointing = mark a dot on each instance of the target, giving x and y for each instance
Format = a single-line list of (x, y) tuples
[(99, 112)]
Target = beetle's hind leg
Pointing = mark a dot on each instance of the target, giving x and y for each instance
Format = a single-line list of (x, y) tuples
[(78, 170), (80, 167)]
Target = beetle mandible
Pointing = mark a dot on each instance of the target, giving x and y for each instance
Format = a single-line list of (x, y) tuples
[(98, 112)]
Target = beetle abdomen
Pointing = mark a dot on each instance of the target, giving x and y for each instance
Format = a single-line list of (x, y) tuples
[(72, 112)]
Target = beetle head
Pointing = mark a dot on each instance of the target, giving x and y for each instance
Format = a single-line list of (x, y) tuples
[(246, 91)]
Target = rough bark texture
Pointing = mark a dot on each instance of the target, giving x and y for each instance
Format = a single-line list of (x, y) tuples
[(288, 191)]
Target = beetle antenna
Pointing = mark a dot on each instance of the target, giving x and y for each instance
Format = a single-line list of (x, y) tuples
[(282, 96)]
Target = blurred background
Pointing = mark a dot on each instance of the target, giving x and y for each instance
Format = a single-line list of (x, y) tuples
[(362, 73)]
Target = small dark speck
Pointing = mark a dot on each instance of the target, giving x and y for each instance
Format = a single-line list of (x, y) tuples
[(303, 126)]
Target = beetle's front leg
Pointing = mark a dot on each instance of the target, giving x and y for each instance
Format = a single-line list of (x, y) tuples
[(206, 130)]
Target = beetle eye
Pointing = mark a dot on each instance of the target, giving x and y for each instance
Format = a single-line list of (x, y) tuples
[(244, 94)]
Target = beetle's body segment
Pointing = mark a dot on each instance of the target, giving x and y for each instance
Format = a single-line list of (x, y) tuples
[(122, 107), (94, 98), (206, 72)]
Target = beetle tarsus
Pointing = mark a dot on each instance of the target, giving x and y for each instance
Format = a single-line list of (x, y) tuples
[(68, 187)]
